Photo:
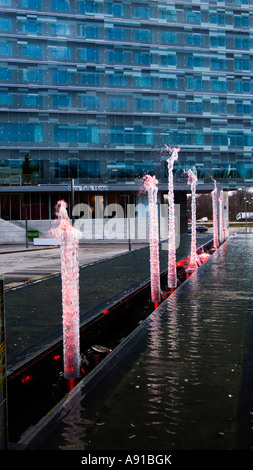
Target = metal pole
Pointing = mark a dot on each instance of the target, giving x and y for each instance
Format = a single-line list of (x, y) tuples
[(26, 228), (3, 380)]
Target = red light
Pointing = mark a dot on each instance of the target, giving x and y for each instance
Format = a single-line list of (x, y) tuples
[(105, 312), (57, 357), (26, 379)]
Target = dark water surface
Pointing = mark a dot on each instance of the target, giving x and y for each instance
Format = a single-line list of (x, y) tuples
[(182, 380), (34, 313)]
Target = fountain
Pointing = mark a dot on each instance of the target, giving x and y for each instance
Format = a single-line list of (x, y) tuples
[(192, 180), (69, 239), (172, 269), (150, 185), (221, 218), (215, 216)]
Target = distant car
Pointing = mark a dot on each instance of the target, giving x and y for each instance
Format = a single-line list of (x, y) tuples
[(199, 228), (204, 219)]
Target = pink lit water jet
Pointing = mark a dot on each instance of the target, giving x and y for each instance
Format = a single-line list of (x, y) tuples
[(172, 269), (150, 185), (214, 194), (192, 180), (221, 218), (69, 239)]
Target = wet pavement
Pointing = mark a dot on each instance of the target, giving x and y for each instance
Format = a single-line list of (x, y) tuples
[(181, 381), (33, 310)]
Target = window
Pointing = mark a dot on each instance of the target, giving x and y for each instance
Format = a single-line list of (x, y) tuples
[(5, 98), (144, 81), (61, 52), (89, 169), (169, 37), (170, 59), (61, 76), (143, 58), (135, 135), (62, 5), (32, 99), (21, 133), (5, 73), (169, 15), (90, 78), (61, 29), (116, 33), (144, 104), (142, 12), (5, 3), (218, 63), (5, 24), (90, 101), (243, 108), (169, 82), (90, 31), (219, 85), (32, 50), (218, 41), (74, 134), (195, 106), (143, 35), (116, 9), (5, 49), (241, 21), (32, 75), (31, 26), (242, 86), (117, 56), (242, 43), (218, 18), (193, 17), (118, 102), (117, 80), (194, 83), (31, 4), (61, 100), (194, 61), (89, 54), (88, 7), (170, 104), (194, 39), (242, 64)]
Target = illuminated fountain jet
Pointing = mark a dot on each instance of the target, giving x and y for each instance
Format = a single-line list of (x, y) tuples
[(215, 215), (221, 218), (192, 180), (69, 243), (150, 185), (172, 268)]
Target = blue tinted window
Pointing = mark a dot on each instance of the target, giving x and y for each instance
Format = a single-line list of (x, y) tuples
[(194, 61), (31, 4), (5, 49), (88, 7), (90, 101), (117, 80), (32, 50), (62, 99), (116, 9), (142, 12), (32, 75), (242, 64), (144, 81), (60, 5), (32, 99), (116, 33), (90, 78), (118, 102), (61, 76), (242, 86), (61, 52), (117, 56), (5, 73), (194, 39), (194, 83), (5, 98), (169, 82), (90, 31), (143, 35), (143, 58), (169, 60), (193, 16), (89, 54), (61, 29), (5, 24)]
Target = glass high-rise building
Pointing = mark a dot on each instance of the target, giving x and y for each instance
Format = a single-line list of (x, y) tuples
[(94, 90)]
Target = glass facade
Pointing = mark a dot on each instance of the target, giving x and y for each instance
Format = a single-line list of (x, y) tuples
[(94, 90)]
